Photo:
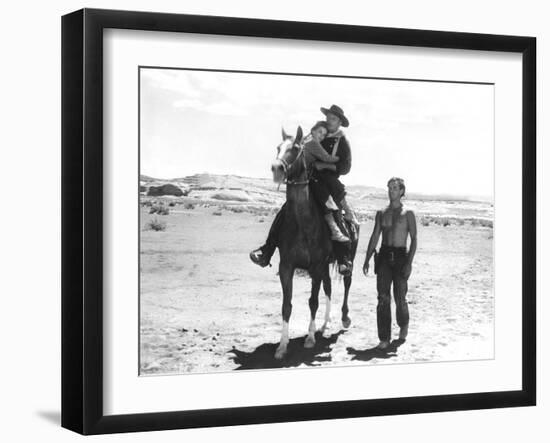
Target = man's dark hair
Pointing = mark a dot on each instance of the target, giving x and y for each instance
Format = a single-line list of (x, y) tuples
[(319, 124), (400, 182)]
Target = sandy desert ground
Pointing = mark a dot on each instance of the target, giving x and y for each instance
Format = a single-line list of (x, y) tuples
[(204, 307)]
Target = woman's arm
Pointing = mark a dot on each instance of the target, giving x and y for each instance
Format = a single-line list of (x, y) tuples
[(323, 165), (319, 153)]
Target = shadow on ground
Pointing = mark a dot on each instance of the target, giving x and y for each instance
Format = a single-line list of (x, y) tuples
[(263, 357), (369, 354)]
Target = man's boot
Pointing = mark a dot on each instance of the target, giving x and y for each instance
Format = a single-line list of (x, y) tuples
[(262, 256), (334, 229), (349, 213)]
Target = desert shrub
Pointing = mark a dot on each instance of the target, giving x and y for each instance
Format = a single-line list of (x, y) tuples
[(172, 204), (167, 189), (233, 196), (486, 223), (236, 209), (147, 203), (217, 213), (460, 221), (155, 225), (159, 209), (445, 222), (188, 206), (425, 221), (261, 220)]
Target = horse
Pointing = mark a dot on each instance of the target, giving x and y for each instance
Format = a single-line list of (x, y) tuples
[(304, 241)]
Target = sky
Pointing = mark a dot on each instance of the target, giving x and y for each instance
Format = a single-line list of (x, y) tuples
[(437, 136)]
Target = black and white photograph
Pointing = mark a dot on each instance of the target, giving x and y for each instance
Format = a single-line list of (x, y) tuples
[(291, 221)]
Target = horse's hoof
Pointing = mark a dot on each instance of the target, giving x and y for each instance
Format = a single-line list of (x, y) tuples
[(325, 330), (280, 353), (309, 342), (346, 322)]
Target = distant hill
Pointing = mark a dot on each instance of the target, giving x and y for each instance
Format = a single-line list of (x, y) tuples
[(146, 178), (253, 194), (228, 188), (266, 190)]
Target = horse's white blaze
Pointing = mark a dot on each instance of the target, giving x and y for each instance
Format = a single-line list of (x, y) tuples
[(283, 147), (276, 164)]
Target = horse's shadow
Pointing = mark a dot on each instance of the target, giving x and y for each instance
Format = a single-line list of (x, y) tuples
[(263, 357), (369, 354)]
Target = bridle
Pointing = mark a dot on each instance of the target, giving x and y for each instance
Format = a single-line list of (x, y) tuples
[(287, 166)]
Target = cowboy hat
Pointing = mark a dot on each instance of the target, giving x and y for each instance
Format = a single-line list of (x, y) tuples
[(338, 112)]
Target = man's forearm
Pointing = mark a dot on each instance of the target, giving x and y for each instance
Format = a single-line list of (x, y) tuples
[(412, 251), (370, 249)]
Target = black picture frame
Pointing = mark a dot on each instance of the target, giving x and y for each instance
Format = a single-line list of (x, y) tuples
[(82, 218)]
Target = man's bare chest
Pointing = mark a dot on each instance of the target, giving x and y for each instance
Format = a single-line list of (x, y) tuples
[(394, 220)]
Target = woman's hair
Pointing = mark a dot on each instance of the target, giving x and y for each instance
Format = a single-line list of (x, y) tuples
[(319, 124), (400, 182)]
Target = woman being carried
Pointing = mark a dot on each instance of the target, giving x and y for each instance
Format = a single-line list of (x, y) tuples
[(314, 152)]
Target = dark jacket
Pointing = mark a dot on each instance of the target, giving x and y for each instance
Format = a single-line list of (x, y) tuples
[(343, 152)]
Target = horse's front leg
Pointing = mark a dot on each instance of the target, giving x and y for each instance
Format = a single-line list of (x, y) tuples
[(286, 274), (346, 321), (313, 306), (327, 288)]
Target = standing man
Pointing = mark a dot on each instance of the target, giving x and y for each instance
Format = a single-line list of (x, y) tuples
[(336, 144), (392, 264)]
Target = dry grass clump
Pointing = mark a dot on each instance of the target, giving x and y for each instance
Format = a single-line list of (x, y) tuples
[(155, 225), (159, 209), (427, 220)]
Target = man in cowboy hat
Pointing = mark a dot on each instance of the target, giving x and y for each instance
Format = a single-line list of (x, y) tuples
[(328, 173), (336, 144)]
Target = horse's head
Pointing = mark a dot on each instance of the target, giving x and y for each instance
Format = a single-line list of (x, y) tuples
[(286, 165)]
